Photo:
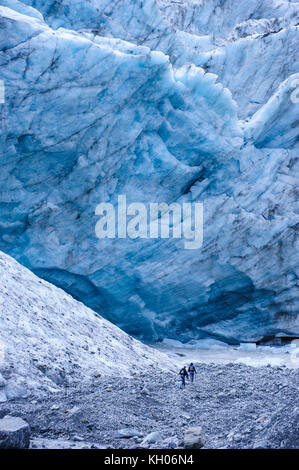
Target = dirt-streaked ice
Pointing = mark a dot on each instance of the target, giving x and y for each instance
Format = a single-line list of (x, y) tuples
[(161, 102)]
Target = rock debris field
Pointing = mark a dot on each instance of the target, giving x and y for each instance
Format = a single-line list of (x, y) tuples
[(237, 406)]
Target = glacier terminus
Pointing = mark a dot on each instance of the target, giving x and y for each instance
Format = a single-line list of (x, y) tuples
[(167, 102)]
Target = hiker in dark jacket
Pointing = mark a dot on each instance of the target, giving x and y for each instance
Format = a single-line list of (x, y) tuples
[(192, 370), (183, 374)]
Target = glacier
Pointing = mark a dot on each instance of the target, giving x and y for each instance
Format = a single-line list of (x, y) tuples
[(81, 382), (164, 102)]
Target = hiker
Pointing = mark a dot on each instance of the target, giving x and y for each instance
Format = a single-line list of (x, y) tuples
[(183, 373), (192, 370)]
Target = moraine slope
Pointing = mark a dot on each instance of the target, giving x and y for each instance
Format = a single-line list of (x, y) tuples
[(48, 339)]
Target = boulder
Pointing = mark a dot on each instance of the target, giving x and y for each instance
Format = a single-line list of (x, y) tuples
[(194, 438), (186, 416), (14, 433), (127, 433), (152, 438), (2, 381), (3, 397), (14, 390), (262, 444)]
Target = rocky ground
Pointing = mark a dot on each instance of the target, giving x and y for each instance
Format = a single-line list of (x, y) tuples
[(236, 405)]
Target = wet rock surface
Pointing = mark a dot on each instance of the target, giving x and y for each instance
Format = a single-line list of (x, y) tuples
[(236, 406)]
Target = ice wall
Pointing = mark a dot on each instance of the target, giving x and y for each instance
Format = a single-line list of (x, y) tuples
[(88, 116)]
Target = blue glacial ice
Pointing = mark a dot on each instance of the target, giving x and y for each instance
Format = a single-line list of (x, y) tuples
[(162, 102)]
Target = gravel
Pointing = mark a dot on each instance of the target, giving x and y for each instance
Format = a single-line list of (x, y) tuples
[(237, 406)]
